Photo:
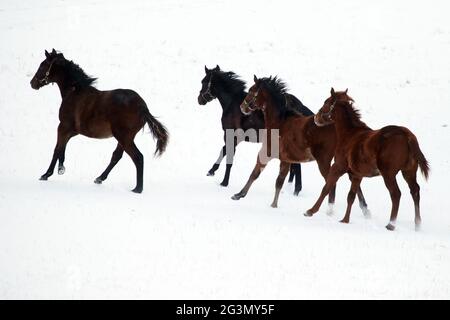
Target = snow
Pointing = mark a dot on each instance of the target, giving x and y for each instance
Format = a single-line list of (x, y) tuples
[(184, 238)]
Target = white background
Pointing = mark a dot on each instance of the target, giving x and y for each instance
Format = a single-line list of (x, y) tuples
[(184, 237)]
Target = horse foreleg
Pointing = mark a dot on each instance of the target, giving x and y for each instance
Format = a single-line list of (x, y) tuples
[(356, 181), (64, 135), (333, 176), (324, 168), (216, 164), (284, 169), (230, 158), (116, 156), (259, 167)]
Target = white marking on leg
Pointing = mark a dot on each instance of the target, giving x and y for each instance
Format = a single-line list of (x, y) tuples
[(330, 210)]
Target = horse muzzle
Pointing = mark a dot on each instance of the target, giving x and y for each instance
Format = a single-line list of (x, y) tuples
[(35, 84)]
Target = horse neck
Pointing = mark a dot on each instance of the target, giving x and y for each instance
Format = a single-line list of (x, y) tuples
[(227, 98), (64, 84), (343, 124), (272, 116)]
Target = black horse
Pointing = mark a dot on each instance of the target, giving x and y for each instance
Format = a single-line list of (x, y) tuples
[(229, 89), (96, 114)]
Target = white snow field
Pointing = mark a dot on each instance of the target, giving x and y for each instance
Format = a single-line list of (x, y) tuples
[(183, 237)]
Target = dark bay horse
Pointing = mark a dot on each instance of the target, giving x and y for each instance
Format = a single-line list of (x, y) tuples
[(230, 91), (364, 152), (96, 114), (300, 140)]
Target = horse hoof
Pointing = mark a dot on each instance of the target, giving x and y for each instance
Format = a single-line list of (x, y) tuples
[(390, 227), (43, 178), (308, 214), (98, 181), (224, 184), (330, 211), (237, 196), (137, 190), (296, 192), (366, 213), (210, 174), (61, 170), (274, 205), (344, 221)]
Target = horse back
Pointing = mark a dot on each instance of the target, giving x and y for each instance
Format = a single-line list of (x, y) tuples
[(96, 113)]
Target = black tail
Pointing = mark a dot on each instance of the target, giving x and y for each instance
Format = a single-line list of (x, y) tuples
[(159, 132), (418, 155)]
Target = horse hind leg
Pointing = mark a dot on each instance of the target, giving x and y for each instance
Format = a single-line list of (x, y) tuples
[(362, 200), (116, 156), (138, 160), (394, 191), (356, 181), (291, 173), (128, 145), (411, 178)]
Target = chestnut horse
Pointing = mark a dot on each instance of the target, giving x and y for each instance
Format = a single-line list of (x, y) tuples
[(300, 140), (364, 152), (229, 89), (96, 114)]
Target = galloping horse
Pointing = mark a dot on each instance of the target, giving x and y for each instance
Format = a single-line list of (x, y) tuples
[(300, 140), (96, 114), (230, 91), (364, 152)]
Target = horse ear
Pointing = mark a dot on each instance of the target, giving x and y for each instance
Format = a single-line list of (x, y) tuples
[(346, 90), (53, 51), (47, 55), (206, 70), (332, 92), (255, 78), (217, 68)]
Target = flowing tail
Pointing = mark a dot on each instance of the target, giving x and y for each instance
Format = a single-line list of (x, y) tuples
[(418, 155), (159, 132)]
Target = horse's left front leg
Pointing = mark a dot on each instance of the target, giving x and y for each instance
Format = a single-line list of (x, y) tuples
[(229, 160), (284, 169), (64, 135)]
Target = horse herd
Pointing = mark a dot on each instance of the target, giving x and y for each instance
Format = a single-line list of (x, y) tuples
[(334, 132)]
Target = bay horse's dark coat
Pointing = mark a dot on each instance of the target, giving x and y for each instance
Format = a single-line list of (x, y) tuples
[(99, 114)]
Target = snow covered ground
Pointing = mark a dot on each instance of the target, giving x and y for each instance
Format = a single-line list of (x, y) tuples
[(184, 237)]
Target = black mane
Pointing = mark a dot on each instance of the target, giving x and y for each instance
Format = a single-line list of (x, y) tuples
[(78, 77), (231, 81), (287, 104)]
